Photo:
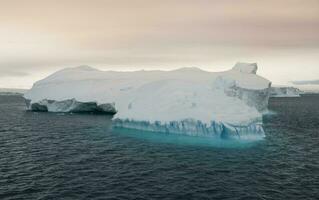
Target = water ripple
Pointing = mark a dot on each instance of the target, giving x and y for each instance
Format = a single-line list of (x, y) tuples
[(53, 156)]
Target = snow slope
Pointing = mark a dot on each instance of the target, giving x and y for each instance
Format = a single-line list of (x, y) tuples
[(185, 101)]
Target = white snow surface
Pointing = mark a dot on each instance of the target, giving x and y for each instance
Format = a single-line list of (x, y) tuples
[(250, 68), (165, 96)]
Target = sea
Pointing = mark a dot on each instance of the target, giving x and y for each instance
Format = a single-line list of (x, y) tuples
[(79, 156)]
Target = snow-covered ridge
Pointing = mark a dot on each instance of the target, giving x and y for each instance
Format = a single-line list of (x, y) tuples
[(250, 68), (234, 98)]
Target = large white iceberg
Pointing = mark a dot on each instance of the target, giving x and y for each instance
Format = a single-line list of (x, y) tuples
[(184, 101)]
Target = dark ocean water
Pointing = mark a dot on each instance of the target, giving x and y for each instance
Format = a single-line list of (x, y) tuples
[(77, 156)]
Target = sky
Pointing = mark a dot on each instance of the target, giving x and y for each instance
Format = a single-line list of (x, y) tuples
[(39, 37)]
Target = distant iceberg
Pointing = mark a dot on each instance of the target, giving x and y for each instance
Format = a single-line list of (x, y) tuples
[(183, 101), (285, 91)]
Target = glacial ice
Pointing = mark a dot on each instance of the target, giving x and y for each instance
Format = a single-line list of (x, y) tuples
[(70, 105), (184, 101), (285, 91), (253, 131)]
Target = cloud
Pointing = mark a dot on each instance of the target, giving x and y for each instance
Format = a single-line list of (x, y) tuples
[(281, 35), (306, 82), (114, 24), (5, 73)]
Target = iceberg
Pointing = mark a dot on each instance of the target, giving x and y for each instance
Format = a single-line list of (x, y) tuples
[(285, 91), (187, 101)]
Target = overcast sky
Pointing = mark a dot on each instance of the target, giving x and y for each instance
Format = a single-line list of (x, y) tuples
[(38, 37)]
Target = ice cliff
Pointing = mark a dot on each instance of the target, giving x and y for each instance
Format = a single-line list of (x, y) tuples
[(184, 101)]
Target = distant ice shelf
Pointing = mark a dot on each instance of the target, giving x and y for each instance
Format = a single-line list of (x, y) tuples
[(184, 101), (284, 91)]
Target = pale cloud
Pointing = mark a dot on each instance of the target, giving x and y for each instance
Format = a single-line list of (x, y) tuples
[(38, 37), (4, 73), (306, 82)]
